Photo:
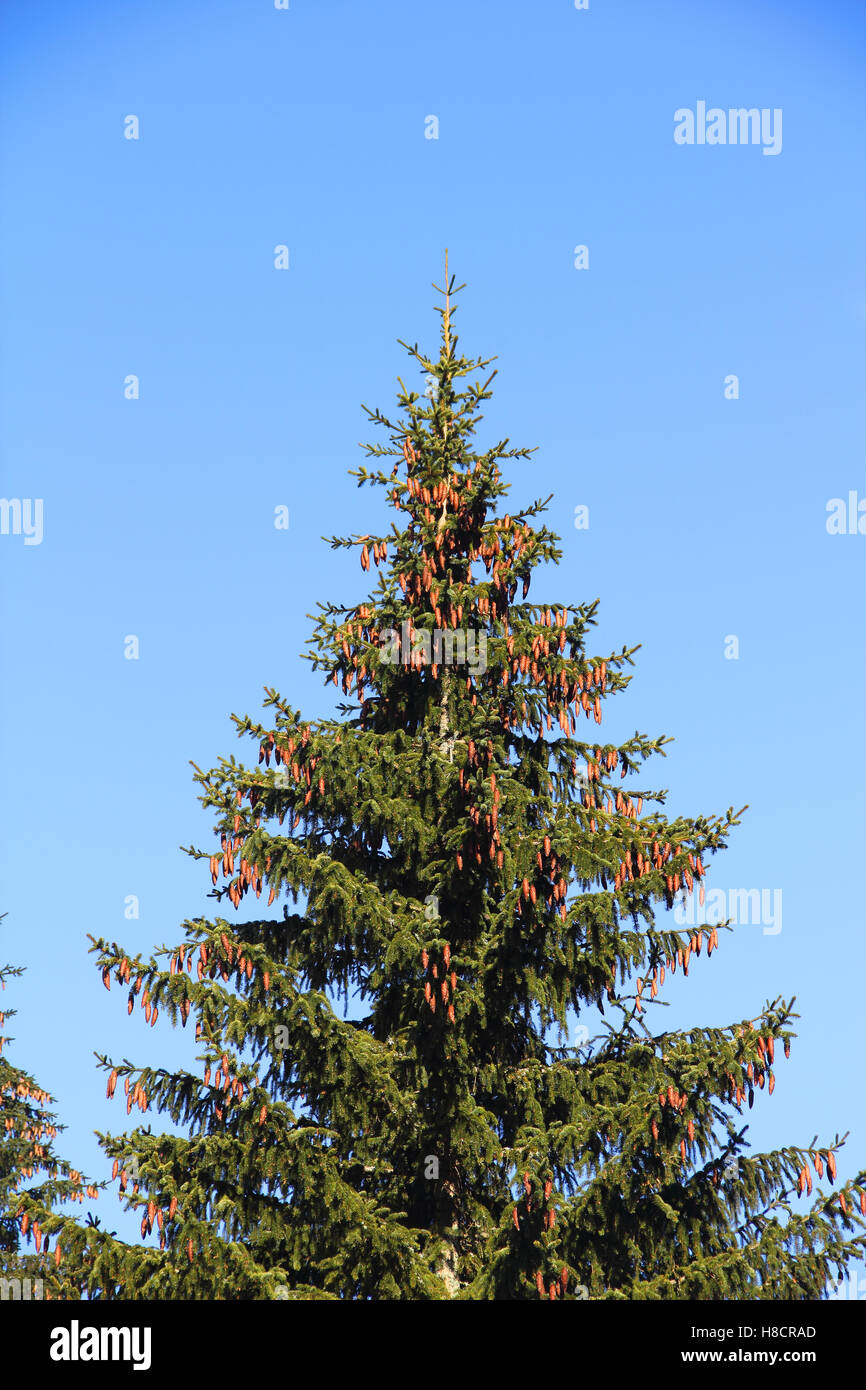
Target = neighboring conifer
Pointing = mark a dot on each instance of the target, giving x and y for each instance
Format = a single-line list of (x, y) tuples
[(32, 1176)]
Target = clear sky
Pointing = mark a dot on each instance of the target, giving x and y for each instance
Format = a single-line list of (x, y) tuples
[(155, 258)]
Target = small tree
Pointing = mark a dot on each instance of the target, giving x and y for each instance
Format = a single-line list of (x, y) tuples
[(32, 1176), (470, 868)]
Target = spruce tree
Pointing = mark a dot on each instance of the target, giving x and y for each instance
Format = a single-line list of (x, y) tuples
[(469, 864), (32, 1175)]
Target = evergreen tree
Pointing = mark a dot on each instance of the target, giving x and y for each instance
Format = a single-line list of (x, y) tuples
[(468, 867), (32, 1176)]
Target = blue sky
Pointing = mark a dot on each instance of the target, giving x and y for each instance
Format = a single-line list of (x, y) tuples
[(155, 257)]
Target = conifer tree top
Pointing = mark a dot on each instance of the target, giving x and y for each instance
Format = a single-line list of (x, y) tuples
[(471, 862)]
